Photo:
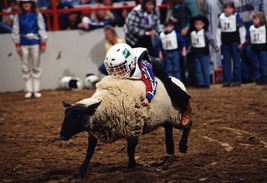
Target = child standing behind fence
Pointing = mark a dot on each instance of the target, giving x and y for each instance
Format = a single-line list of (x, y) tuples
[(30, 38), (199, 48), (169, 51), (230, 34), (258, 36)]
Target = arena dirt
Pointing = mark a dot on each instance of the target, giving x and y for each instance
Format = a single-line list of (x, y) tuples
[(228, 142)]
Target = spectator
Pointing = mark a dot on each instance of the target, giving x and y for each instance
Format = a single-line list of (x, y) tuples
[(230, 35), (63, 4), (180, 14), (73, 2), (141, 25), (166, 13), (100, 19), (258, 40), (87, 2), (200, 40), (112, 38), (71, 22), (169, 51), (246, 9), (63, 17), (30, 37), (182, 11), (7, 20), (122, 14), (42, 4)]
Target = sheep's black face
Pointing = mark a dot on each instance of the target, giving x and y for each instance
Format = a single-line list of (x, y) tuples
[(75, 121)]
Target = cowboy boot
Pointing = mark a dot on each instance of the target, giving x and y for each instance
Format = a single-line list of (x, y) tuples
[(36, 88), (28, 88)]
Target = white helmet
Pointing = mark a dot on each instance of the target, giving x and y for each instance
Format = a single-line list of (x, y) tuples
[(72, 83), (91, 80), (120, 60)]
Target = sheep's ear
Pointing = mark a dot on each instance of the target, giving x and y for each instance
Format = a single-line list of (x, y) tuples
[(90, 110), (65, 104)]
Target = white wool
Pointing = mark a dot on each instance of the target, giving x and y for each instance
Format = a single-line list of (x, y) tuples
[(121, 115)]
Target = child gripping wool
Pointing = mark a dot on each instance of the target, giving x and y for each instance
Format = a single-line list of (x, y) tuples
[(122, 61)]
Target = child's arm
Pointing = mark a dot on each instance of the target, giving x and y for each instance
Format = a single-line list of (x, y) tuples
[(16, 34), (42, 32), (247, 41), (211, 40), (161, 55), (160, 50), (242, 34), (182, 41), (149, 79), (242, 30), (183, 51), (218, 35)]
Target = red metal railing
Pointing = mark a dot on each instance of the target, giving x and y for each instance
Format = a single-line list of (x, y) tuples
[(54, 12)]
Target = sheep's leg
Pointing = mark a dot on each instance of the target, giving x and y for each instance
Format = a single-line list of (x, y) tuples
[(169, 138), (92, 141), (132, 143), (184, 138)]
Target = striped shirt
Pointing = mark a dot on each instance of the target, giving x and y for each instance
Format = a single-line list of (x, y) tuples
[(247, 8)]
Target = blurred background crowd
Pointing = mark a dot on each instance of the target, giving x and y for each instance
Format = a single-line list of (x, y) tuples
[(88, 15)]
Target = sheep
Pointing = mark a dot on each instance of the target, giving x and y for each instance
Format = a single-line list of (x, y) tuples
[(115, 112)]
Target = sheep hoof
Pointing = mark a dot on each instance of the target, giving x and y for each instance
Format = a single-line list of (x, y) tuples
[(132, 165), (77, 175), (182, 148), (80, 173)]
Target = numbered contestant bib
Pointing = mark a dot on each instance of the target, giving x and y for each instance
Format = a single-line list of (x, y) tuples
[(198, 39), (257, 35), (169, 41), (228, 24)]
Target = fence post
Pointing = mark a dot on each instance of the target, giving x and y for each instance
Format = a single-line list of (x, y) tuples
[(55, 14)]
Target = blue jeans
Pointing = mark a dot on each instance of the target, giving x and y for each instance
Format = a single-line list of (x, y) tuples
[(102, 69), (262, 69), (231, 53), (172, 62), (249, 59), (202, 70), (249, 66)]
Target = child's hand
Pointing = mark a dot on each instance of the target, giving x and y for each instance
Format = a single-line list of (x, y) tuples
[(145, 102), (18, 48), (83, 26), (183, 52), (160, 55), (184, 31), (216, 50), (151, 33), (240, 46), (174, 20), (42, 48)]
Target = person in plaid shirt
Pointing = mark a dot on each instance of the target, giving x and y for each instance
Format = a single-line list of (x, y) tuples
[(141, 25)]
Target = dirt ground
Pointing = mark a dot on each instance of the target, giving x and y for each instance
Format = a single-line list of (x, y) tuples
[(227, 143)]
